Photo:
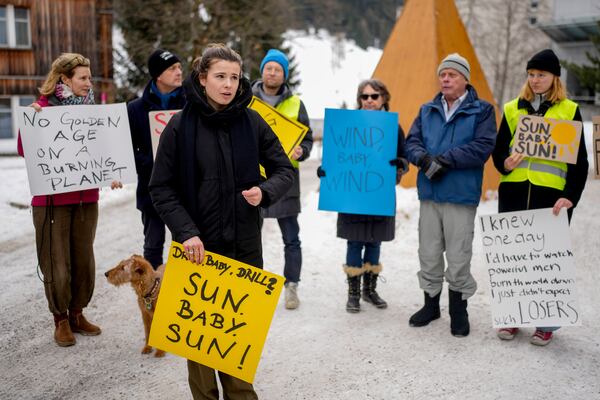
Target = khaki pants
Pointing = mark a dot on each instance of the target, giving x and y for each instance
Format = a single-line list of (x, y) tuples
[(446, 227), (64, 238), (203, 384)]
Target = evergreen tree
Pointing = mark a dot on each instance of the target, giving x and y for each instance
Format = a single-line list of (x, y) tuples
[(368, 22), (588, 75), (185, 27)]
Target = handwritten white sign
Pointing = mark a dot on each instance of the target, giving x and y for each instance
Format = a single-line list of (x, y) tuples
[(531, 269), (70, 148), (158, 122)]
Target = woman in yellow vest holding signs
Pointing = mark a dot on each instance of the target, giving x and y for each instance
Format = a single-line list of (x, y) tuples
[(531, 183)]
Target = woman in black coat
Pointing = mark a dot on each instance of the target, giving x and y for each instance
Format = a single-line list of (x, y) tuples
[(206, 184), (366, 232), (529, 183)]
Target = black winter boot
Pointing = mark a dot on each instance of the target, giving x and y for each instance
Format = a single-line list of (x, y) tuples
[(459, 318), (429, 312), (353, 274), (368, 290), (353, 304)]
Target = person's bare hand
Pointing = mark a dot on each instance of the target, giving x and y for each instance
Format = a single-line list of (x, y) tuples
[(36, 106), (116, 185), (297, 153), (194, 249), (513, 160), (253, 195), (561, 203)]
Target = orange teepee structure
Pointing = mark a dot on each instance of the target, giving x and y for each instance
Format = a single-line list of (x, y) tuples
[(426, 32)]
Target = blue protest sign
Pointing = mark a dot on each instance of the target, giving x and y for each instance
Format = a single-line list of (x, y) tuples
[(357, 148)]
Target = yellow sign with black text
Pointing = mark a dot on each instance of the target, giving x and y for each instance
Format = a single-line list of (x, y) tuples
[(289, 131), (217, 313)]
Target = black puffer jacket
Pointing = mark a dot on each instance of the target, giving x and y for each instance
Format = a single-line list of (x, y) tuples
[(205, 159), (137, 111), (370, 228)]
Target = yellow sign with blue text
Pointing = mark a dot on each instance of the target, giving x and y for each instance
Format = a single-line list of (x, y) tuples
[(217, 313), (547, 138)]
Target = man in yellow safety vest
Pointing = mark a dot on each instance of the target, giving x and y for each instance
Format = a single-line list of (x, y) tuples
[(272, 88)]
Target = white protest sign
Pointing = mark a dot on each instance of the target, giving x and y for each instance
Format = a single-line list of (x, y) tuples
[(158, 121), (70, 148), (531, 269)]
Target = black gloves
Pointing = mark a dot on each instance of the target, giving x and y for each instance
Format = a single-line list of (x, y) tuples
[(401, 163), (434, 167), (320, 172)]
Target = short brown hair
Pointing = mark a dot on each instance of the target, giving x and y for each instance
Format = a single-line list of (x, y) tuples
[(377, 85), (65, 65)]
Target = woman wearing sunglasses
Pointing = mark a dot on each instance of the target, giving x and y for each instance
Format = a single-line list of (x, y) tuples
[(365, 233)]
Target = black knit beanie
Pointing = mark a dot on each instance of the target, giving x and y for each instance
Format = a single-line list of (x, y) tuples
[(545, 60), (159, 61)]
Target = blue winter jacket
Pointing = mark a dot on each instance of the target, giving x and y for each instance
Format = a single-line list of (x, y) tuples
[(465, 141)]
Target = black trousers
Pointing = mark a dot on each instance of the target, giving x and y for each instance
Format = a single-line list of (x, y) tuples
[(519, 196), (154, 237)]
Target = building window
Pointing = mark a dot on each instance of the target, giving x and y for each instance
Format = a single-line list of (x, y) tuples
[(3, 25), (8, 114), (6, 130), (15, 30)]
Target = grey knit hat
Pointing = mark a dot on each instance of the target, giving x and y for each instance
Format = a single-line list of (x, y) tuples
[(457, 62)]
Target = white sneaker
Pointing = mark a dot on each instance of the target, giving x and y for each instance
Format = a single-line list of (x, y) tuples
[(291, 296)]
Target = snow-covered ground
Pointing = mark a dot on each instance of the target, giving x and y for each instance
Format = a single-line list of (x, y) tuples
[(316, 352)]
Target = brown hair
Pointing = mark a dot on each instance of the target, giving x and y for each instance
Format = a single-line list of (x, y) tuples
[(212, 53), (65, 65), (557, 92), (379, 87)]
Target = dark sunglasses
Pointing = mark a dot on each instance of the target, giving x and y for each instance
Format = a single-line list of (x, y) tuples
[(374, 96)]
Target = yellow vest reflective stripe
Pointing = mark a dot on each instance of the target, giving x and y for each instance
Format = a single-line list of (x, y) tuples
[(546, 173), (290, 107)]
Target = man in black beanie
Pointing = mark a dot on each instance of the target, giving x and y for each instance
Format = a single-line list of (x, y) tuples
[(163, 92)]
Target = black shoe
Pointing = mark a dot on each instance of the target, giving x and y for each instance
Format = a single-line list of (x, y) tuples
[(429, 312), (459, 318)]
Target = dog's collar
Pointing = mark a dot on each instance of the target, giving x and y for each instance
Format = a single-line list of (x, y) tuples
[(150, 296)]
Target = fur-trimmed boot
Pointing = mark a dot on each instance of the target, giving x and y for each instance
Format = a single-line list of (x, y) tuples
[(369, 294), (63, 336), (429, 312), (353, 274), (459, 318), (81, 325)]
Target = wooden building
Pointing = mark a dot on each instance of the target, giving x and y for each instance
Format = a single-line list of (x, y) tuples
[(34, 32), (426, 32)]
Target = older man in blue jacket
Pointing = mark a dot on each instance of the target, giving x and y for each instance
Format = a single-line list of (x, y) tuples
[(449, 141)]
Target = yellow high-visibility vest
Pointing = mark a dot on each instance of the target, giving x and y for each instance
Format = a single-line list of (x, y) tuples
[(552, 174), (290, 107)]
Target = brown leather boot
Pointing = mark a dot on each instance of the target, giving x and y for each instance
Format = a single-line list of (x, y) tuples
[(81, 325), (63, 336)]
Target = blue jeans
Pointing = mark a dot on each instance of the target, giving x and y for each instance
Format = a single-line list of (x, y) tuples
[(292, 250), (354, 256)]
